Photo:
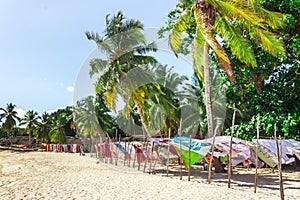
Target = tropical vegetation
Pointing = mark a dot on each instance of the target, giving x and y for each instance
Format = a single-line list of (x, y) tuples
[(250, 49)]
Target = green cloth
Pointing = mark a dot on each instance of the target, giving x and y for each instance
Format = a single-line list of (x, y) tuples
[(185, 157), (265, 156), (223, 158)]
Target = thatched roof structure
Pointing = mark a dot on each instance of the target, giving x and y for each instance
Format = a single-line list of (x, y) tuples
[(19, 140)]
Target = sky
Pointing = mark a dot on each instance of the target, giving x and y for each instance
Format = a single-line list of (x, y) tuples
[(43, 46)]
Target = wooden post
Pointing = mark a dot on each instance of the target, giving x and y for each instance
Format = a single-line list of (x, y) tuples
[(256, 152), (139, 163), (133, 165), (146, 154), (105, 151), (124, 154), (180, 134), (180, 159), (117, 149), (152, 149), (111, 152), (168, 155), (158, 151), (119, 141), (129, 153), (230, 150), (189, 160), (279, 152), (211, 159)]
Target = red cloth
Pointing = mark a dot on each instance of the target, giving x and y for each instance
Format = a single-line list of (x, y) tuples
[(139, 155), (105, 149)]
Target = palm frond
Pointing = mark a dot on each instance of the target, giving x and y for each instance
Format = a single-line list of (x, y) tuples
[(234, 9), (93, 36), (97, 66), (129, 39), (111, 95), (273, 19), (207, 33), (133, 24), (269, 42), (151, 47), (104, 80), (240, 46), (198, 49), (181, 25)]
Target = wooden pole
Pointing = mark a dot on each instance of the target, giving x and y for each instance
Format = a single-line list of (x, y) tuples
[(168, 152), (211, 159), (180, 159), (139, 163), (117, 150), (120, 140), (152, 149), (129, 153), (279, 149), (125, 151), (105, 151), (158, 151), (230, 150), (134, 157), (180, 134), (146, 154), (189, 160), (111, 152), (256, 152)]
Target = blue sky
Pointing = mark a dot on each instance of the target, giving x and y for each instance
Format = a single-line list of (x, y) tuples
[(43, 46)]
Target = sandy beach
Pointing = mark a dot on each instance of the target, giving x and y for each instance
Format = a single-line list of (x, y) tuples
[(44, 175)]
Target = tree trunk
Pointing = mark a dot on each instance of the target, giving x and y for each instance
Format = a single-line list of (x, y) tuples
[(256, 152), (143, 120), (168, 125), (208, 104), (207, 92), (9, 138), (230, 150), (278, 149), (29, 142), (218, 166)]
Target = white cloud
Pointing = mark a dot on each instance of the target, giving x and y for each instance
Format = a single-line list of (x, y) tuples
[(70, 89), (51, 111), (21, 112)]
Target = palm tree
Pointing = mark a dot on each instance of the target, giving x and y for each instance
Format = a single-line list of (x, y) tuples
[(168, 99), (45, 127), (104, 117), (11, 118), (86, 119), (194, 107), (236, 22), (31, 121), (126, 47), (58, 132)]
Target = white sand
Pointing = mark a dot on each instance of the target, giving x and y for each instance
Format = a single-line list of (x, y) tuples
[(42, 175)]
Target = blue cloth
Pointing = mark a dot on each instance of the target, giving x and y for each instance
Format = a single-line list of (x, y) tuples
[(196, 145)]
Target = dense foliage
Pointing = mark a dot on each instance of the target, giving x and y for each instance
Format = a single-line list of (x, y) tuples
[(269, 89), (272, 89), (264, 88), (52, 127)]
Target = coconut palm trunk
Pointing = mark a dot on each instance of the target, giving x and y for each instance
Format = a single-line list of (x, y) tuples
[(143, 120), (230, 148), (208, 106), (29, 139)]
